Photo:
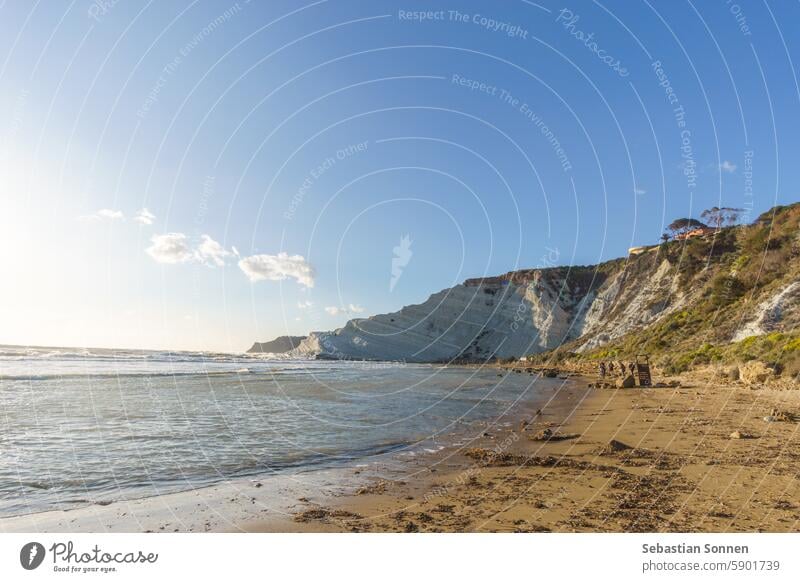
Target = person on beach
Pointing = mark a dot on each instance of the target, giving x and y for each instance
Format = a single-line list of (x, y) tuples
[(611, 368), (632, 368), (602, 368)]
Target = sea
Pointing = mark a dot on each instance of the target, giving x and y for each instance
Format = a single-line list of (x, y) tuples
[(84, 426)]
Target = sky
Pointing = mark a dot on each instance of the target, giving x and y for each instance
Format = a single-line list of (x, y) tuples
[(202, 175)]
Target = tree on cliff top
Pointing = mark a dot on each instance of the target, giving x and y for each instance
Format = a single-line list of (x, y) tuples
[(682, 225), (719, 217)]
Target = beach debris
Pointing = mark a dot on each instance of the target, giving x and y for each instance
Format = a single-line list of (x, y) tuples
[(615, 446), (493, 458), (602, 385), (373, 488), (425, 517), (627, 382), (547, 434), (325, 515), (737, 434), (783, 415), (531, 528), (755, 372), (311, 515)]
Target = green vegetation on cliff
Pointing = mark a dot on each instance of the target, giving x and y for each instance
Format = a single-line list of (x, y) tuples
[(721, 279)]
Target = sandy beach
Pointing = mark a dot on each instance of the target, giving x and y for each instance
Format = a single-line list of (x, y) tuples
[(698, 458)]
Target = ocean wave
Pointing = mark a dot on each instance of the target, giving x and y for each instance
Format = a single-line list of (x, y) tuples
[(142, 374), (104, 354), (150, 373)]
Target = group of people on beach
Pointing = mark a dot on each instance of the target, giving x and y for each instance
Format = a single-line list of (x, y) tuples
[(619, 367)]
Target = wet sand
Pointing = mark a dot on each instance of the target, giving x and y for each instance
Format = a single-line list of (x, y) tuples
[(673, 468)]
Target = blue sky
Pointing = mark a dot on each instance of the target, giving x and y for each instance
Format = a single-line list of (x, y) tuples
[(283, 150)]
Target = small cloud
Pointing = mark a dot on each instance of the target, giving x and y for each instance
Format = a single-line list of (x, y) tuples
[(727, 166), (144, 216), (639, 191), (174, 248), (211, 253), (170, 249), (304, 304), (103, 214), (349, 310), (278, 268)]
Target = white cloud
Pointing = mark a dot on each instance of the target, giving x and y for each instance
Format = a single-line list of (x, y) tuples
[(211, 253), (304, 304), (144, 216), (103, 214), (278, 268), (349, 310), (174, 248), (171, 248), (639, 191), (727, 166)]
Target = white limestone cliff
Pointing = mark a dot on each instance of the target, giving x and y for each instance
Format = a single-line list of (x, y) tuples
[(532, 311), (502, 317), (773, 313)]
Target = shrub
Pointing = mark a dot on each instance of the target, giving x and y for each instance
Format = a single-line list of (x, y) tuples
[(792, 345), (726, 289), (790, 367)]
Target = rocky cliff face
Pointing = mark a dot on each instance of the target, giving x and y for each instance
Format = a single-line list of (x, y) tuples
[(475, 320), (519, 313), (713, 288), (280, 345)]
